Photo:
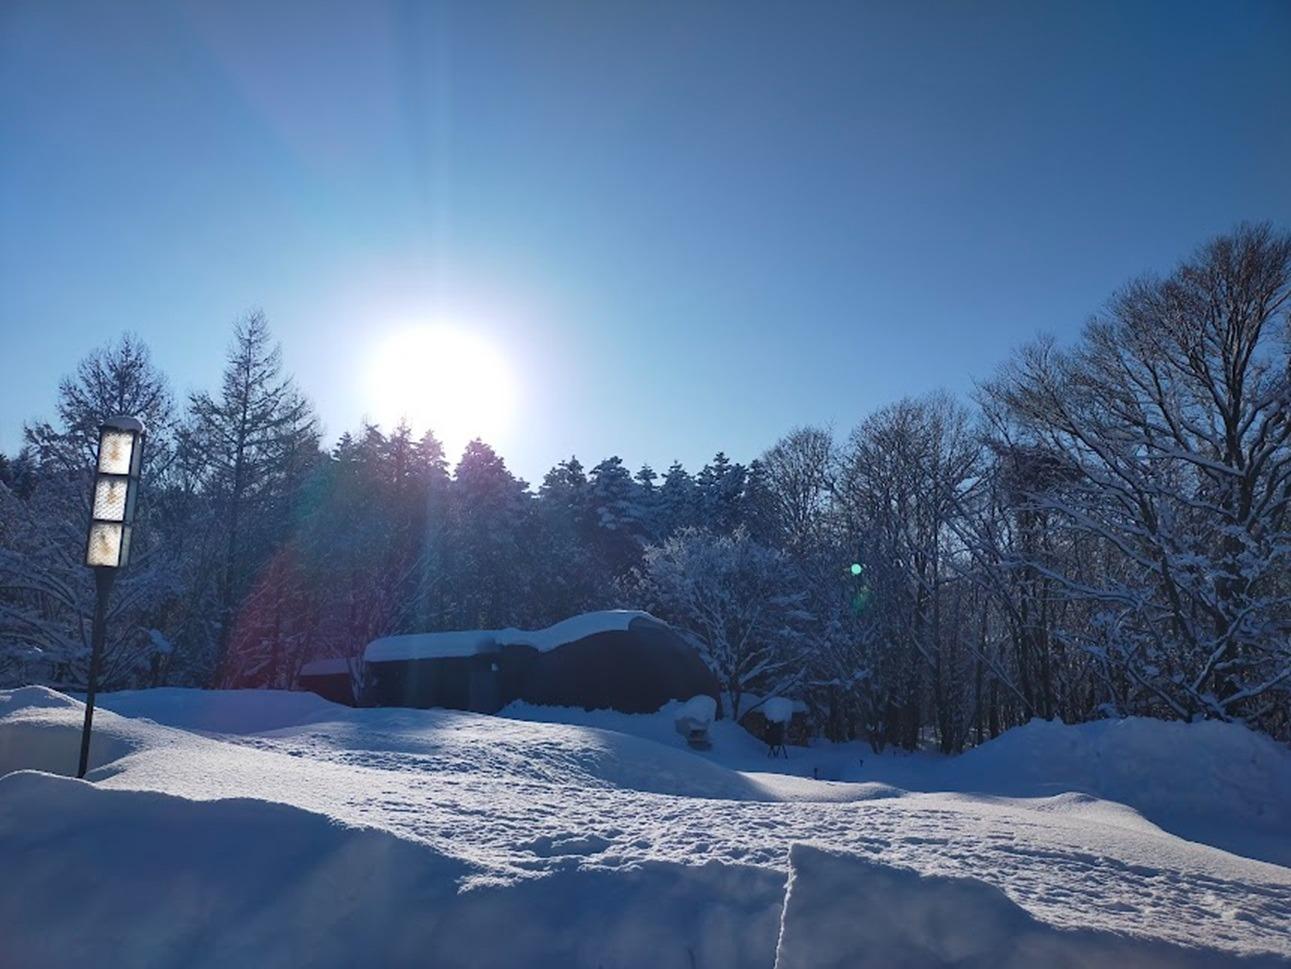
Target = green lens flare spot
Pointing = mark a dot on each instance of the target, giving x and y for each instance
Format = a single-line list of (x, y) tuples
[(857, 568)]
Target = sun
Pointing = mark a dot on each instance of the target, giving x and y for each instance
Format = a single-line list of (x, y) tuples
[(444, 378)]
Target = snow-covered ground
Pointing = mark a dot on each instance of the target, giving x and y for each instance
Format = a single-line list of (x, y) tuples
[(271, 829)]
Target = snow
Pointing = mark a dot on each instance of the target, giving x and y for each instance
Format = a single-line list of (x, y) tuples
[(467, 642), (273, 829), (699, 710), (694, 719), (445, 645), (573, 629), (778, 709), (1210, 781), (220, 711), (846, 912)]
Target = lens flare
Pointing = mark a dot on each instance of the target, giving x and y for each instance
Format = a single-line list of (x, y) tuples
[(447, 379)]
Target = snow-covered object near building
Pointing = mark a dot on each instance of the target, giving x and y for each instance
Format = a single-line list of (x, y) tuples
[(694, 718), (618, 659), (699, 710), (777, 720), (778, 709), (332, 678)]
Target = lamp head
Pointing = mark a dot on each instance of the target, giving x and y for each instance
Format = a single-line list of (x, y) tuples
[(116, 489)]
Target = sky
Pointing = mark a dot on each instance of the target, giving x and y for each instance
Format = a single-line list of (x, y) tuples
[(665, 228)]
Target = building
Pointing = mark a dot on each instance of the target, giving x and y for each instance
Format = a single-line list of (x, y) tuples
[(621, 660), (332, 679)]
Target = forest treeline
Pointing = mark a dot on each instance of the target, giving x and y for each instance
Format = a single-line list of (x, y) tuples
[(1101, 530)]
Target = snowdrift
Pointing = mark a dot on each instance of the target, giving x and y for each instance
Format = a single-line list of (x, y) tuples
[(273, 829), (444, 742), (134, 878), (41, 730), (224, 711), (131, 878), (845, 912), (1218, 783)]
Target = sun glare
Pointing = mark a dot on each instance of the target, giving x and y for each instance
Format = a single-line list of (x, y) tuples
[(443, 378)]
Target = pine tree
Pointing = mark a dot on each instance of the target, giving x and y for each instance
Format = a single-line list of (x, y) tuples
[(617, 517), (254, 439), (571, 583), (678, 505), (490, 552), (720, 485), (648, 499)]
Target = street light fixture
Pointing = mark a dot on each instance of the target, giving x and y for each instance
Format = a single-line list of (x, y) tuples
[(107, 546)]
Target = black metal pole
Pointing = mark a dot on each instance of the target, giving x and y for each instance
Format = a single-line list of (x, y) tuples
[(103, 579)]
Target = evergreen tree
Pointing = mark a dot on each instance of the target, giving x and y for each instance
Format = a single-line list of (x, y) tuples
[(490, 523), (255, 439), (678, 505), (648, 500), (617, 517), (571, 583), (720, 486)]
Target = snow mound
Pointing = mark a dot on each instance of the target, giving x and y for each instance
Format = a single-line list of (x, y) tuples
[(1218, 783), (451, 743), (34, 697), (843, 911), (205, 884), (224, 711), (241, 882), (469, 642), (442, 743), (733, 745), (653, 915), (40, 729), (701, 709)]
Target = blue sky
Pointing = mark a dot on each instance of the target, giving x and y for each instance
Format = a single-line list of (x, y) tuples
[(685, 226)]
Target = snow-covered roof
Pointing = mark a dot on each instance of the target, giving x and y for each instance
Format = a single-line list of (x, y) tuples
[(124, 424), (572, 629), (444, 645), (325, 667), (467, 642)]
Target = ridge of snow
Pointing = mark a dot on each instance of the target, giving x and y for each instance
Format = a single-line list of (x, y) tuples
[(844, 911), (1220, 783), (247, 882)]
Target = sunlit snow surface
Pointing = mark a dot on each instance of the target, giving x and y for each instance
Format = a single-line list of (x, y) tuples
[(603, 840)]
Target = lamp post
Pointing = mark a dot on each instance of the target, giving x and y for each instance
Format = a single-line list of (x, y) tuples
[(107, 547)]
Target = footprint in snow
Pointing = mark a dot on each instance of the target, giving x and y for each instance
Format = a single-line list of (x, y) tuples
[(546, 847)]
